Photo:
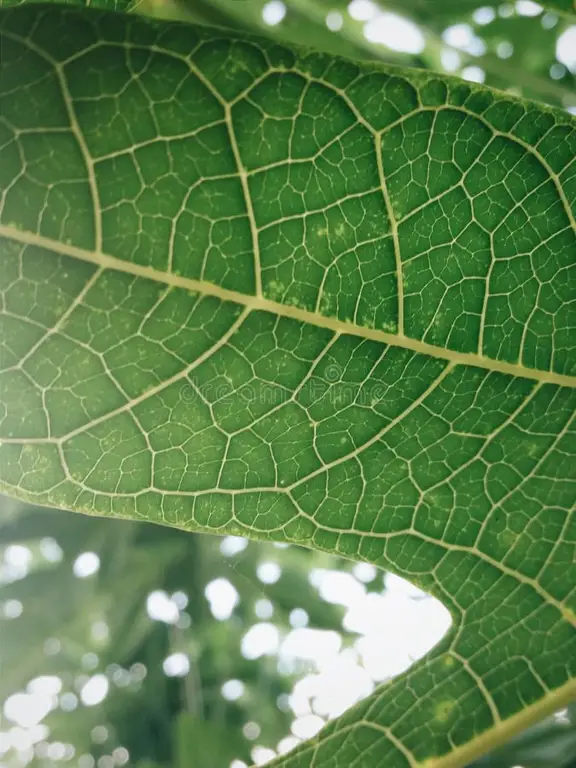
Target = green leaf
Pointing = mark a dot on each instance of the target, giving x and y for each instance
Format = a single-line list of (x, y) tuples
[(550, 744), (117, 5), (205, 745), (253, 291), (567, 7)]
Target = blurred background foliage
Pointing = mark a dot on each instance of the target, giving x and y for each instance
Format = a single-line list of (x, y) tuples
[(132, 644), (521, 47)]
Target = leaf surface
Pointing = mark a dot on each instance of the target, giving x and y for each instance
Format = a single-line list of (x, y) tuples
[(252, 291)]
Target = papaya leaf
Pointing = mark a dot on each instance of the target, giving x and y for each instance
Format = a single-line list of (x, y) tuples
[(273, 293)]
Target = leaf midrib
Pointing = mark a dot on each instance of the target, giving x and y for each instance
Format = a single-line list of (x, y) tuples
[(259, 303), (493, 738)]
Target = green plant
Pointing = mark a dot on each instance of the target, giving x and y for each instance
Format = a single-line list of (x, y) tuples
[(273, 293)]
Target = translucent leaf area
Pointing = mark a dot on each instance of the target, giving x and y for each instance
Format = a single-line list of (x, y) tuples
[(280, 295)]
